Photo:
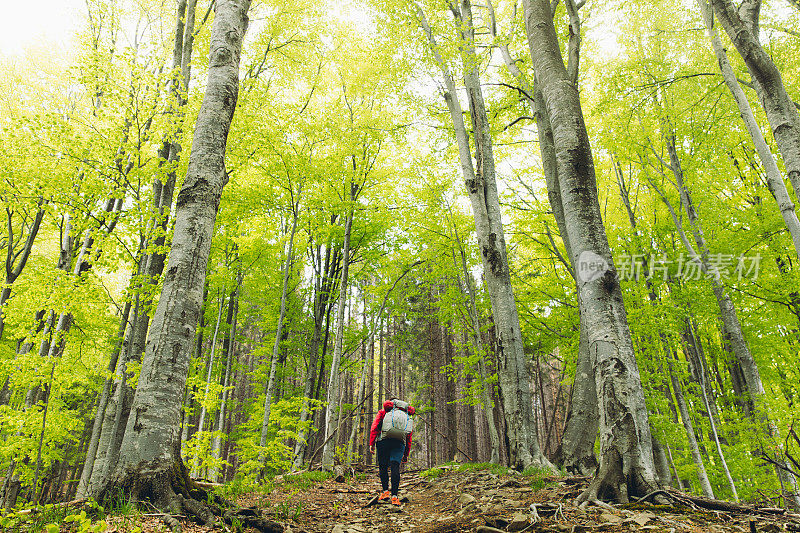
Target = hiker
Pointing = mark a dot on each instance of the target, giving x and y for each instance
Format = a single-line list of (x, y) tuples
[(390, 434)]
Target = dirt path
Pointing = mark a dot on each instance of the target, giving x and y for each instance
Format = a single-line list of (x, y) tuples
[(469, 501)]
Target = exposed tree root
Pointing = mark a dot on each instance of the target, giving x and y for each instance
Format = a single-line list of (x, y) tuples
[(618, 482), (172, 523), (173, 492)]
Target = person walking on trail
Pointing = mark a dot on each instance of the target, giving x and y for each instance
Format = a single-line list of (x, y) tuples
[(391, 434)]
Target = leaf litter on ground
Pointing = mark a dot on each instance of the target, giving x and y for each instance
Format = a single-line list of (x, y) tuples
[(481, 501)]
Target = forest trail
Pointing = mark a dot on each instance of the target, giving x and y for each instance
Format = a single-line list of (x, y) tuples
[(450, 500)]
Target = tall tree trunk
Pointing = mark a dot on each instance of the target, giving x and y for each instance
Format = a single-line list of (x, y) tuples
[(730, 320), (705, 484), (712, 417), (742, 28), (774, 178), (150, 464), (279, 327), (322, 304), (576, 450), (480, 182), (150, 266), (480, 350), (334, 392), (228, 348), (201, 424), (91, 452), (626, 459)]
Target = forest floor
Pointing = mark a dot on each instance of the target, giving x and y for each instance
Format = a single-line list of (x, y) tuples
[(454, 499), (451, 499)]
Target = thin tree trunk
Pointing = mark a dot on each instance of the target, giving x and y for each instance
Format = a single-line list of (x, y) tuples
[(279, 327), (334, 392), (228, 347), (711, 417), (321, 305), (41, 435), (731, 324), (367, 368), (742, 28), (705, 484), (480, 182), (14, 270), (480, 350), (730, 320), (91, 453), (203, 411), (774, 177)]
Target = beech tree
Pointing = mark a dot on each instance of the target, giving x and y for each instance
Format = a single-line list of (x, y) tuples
[(480, 181), (626, 459), (150, 464)]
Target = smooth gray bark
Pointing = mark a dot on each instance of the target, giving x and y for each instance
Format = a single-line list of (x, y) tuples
[(150, 449), (663, 473), (480, 180), (774, 178), (580, 430), (576, 450), (150, 266), (730, 320), (742, 28), (626, 459)]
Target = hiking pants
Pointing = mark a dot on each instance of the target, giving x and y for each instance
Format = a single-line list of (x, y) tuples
[(390, 452)]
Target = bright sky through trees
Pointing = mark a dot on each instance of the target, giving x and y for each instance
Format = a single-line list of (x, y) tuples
[(45, 22)]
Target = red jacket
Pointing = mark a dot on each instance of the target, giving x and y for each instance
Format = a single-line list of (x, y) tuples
[(375, 430)]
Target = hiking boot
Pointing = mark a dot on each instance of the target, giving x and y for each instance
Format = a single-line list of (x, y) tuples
[(395, 500), (385, 496)]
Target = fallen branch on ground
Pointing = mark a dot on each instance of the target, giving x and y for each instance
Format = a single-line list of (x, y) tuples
[(722, 505)]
